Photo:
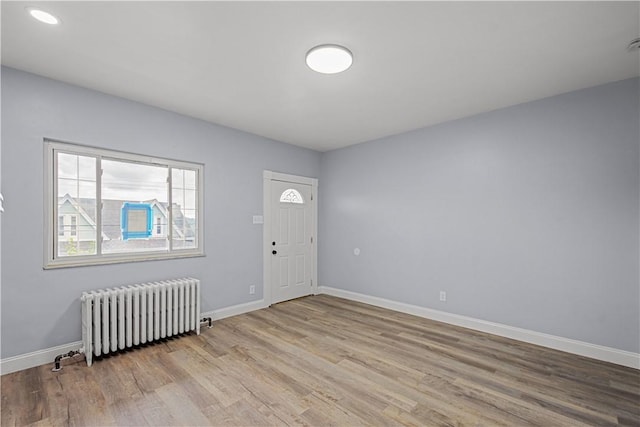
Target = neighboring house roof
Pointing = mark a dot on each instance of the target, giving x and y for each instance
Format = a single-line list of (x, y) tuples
[(111, 210)]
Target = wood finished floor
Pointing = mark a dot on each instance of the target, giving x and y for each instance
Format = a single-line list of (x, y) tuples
[(324, 361)]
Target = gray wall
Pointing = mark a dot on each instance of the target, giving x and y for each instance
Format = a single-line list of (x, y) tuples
[(40, 308), (526, 216)]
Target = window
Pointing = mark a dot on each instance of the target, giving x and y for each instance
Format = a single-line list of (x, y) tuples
[(73, 228), (291, 196), (104, 204), (67, 225)]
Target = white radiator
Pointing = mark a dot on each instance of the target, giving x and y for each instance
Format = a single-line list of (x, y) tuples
[(118, 318)]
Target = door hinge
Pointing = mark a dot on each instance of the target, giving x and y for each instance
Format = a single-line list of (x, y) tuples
[(312, 283), (311, 239), (311, 196)]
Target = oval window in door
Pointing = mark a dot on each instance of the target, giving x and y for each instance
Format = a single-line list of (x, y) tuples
[(291, 195)]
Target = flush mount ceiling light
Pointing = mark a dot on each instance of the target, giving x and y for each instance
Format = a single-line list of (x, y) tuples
[(43, 16), (634, 45), (329, 59)]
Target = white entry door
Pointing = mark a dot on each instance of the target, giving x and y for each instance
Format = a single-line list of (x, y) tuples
[(291, 245)]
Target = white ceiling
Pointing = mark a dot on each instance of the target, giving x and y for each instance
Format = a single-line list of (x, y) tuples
[(241, 64)]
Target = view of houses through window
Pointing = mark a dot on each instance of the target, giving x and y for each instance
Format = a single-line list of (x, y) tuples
[(108, 205)]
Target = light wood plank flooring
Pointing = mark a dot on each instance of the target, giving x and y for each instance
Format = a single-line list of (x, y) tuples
[(324, 361)]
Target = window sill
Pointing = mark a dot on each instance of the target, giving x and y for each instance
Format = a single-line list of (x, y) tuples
[(117, 259)]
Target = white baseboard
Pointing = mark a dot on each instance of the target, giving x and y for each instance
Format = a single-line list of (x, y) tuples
[(36, 358), (235, 310), (42, 357), (594, 351)]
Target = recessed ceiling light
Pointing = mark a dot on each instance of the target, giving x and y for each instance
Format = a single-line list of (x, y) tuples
[(43, 16), (329, 59)]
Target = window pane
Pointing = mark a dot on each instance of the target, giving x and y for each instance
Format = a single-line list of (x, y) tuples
[(291, 196), (76, 206), (86, 190), (87, 168), (177, 197), (67, 186), (133, 194), (190, 197), (177, 177), (184, 208), (190, 179), (68, 166), (133, 181), (184, 229)]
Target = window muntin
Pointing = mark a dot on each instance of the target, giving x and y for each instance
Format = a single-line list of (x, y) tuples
[(84, 178)]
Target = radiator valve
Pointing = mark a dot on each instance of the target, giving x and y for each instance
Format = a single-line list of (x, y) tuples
[(205, 319)]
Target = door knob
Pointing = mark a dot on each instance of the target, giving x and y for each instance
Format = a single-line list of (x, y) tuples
[(273, 243), (274, 252)]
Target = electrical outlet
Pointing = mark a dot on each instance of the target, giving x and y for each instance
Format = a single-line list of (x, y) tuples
[(252, 289), (443, 296)]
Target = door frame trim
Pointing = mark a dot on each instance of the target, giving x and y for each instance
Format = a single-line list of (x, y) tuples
[(267, 178)]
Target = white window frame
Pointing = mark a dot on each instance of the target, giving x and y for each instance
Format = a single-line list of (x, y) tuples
[(51, 207)]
